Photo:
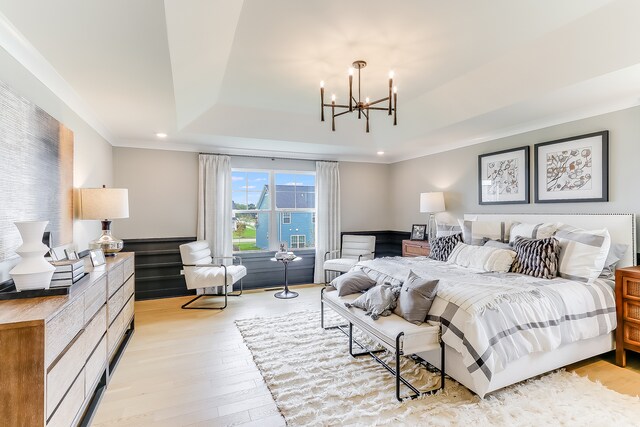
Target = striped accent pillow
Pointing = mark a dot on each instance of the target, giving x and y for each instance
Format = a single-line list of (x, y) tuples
[(475, 232), (583, 253), (536, 257), (443, 230), (441, 247), (532, 231)]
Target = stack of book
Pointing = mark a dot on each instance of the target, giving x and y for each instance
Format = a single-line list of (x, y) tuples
[(67, 272)]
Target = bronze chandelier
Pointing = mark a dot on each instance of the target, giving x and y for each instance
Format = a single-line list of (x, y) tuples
[(363, 108)]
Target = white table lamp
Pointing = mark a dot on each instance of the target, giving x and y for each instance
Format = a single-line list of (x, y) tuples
[(105, 204), (431, 203)]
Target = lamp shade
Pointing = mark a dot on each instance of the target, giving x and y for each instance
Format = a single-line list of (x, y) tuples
[(104, 203), (432, 202)]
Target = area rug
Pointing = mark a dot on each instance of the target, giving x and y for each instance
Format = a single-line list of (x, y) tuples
[(315, 382)]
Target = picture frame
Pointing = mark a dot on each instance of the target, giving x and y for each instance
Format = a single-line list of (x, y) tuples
[(419, 232), (71, 255), (503, 177), (573, 170), (97, 257)]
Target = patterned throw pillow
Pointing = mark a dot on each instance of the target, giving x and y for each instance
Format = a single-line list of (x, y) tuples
[(441, 247), (536, 257)]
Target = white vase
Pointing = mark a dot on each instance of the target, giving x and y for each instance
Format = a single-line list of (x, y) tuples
[(33, 271)]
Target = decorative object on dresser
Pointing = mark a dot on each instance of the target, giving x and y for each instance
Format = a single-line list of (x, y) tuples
[(431, 203), (33, 271), (419, 232), (412, 248), (628, 310), (105, 204), (67, 272), (59, 353), (503, 177), (97, 257), (354, 248), (574, 169)]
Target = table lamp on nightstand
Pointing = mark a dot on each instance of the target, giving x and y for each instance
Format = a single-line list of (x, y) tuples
[(105, 204), (431, 203)]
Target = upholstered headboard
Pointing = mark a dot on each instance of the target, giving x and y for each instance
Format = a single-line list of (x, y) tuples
[(621, 226)]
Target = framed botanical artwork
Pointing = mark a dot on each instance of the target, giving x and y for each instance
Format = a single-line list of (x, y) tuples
[(503, 177), (418, 231), (97, 257), (574, 169)]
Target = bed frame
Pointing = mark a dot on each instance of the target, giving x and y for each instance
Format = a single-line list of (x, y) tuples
[(622, 230)]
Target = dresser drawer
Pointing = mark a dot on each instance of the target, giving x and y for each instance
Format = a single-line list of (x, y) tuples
[(68, 409), (128, 310), (631, 310), (114, 333), (115, 278), (129, 287), (94, 331), (115, 304), (631, 287), (95, 366), (129, 267), (632, 333), (63, 373), (94, 298), (60, 330)]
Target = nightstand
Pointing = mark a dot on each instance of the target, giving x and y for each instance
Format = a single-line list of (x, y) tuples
[(415, 248), (628, 310)]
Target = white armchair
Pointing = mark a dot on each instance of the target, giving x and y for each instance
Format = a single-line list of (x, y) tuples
[(354, 248), (202, 274)]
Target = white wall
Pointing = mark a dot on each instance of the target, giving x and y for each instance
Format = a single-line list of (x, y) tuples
[(163, 192), (92, 153), (163, 189), (456, 173), (364, 196)]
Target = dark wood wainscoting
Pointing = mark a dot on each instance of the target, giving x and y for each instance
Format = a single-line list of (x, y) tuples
[(158, 264), (388, 243)]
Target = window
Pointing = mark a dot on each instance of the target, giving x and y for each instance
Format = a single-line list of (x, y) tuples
[(270, 207), (298, 241)]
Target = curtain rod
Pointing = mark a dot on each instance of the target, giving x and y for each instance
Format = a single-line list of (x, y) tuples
[(269, 157)]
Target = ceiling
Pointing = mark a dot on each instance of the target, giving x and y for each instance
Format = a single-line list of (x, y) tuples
[(243, 76)]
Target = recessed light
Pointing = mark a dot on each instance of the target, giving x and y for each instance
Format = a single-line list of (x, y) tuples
[(380, 153), (161, 135)]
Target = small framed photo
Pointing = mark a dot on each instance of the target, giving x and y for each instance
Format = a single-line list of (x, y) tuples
[(97, 257), (418, 231), (53, 255), (574, 169), (503, 177), (71, 255)]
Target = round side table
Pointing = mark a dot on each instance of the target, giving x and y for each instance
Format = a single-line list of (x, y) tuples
[(286, 293)]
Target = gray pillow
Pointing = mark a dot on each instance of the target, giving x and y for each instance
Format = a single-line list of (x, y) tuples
[(416, 296), (352, 282), (377, 301)]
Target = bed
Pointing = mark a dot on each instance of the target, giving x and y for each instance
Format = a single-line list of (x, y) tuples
[(502, 328)]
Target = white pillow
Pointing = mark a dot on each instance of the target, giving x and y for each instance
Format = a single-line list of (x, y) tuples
[(476, 232), (482, 258), (583, 253), (532, 231), (443, 230)]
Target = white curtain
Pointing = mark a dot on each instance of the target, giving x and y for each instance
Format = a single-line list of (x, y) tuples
[(214, 204), (327, 214)]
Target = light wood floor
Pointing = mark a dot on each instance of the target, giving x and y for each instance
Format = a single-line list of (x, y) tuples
[(191, 367)]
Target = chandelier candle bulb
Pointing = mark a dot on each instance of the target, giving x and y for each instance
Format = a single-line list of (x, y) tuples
[(351, 89), (322, 100), (395, 105), (390, 86), (333, 112)]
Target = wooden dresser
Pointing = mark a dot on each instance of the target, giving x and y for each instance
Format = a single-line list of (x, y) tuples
[(57, 353), (415, 248), (628, 310)]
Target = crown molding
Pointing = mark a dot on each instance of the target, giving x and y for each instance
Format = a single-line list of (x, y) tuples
[(17, 45)]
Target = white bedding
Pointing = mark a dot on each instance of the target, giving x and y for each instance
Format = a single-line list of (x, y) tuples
[(495, 318)]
